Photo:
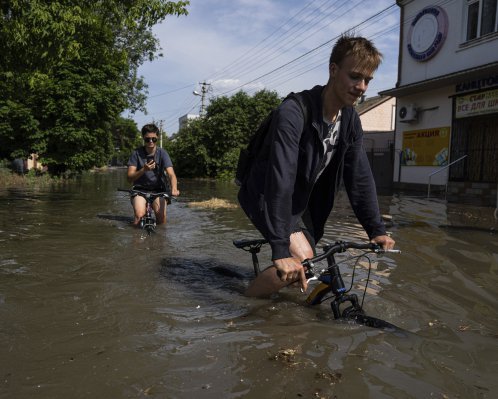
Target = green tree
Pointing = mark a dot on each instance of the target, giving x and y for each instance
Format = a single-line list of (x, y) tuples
[(67, 71), (126, 137), (210, 146), (188, 150)]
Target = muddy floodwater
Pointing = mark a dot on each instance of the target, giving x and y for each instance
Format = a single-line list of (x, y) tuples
[(91, 308)]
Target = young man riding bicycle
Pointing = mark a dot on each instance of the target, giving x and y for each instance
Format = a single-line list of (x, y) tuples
[(147, 168), (290, 189)]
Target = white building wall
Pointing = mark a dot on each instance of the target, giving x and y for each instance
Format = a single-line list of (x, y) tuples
[(435, 105), (454, 55), (433, 111), (182, 121), (380, 118)]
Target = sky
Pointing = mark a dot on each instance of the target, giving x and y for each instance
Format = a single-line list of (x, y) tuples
[(250, 45)]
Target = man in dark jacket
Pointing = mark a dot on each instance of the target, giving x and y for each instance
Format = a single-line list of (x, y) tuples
[(290, 189)]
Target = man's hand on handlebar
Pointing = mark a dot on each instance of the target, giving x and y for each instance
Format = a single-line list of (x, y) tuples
[(385, 242), (291, 270)]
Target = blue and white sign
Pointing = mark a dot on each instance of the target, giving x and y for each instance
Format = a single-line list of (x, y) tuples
[(427, 33)]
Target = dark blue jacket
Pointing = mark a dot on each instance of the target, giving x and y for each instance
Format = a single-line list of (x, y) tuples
[(281, 184)]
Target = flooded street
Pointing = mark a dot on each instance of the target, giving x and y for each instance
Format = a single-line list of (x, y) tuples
[(91, 308)]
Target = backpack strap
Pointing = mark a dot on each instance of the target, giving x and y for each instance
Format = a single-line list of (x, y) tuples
[(248, 154), (303, 101)]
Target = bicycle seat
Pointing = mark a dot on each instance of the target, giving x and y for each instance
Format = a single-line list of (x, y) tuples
[(244, 243)]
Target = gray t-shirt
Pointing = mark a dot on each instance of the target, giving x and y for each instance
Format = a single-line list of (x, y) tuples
[(153, 179)]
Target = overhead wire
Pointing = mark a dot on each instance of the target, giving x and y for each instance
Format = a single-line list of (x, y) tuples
[(306, 53), (315, 62), (268, 54), (304, 63), (256, 48)]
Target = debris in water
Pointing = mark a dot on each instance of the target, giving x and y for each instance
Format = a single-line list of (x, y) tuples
[(213, 203)]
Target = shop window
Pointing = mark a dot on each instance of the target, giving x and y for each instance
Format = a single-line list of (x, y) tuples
[(481, 18)]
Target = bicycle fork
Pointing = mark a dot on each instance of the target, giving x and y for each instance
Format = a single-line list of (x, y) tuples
[(148, 222), (339, 291)]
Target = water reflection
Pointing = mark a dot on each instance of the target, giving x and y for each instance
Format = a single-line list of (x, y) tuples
[(90, 307)]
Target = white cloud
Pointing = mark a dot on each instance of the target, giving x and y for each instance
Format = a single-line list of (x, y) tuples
[(227, 44)]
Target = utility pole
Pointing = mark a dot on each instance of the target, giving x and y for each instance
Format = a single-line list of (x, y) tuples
[(205, 87), (161, 133)]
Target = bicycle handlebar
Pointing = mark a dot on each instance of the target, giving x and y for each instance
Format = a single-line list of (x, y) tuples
[(338, 247), (146, 194), (342, 246)]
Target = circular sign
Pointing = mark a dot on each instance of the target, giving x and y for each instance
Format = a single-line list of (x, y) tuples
[(427, 33)]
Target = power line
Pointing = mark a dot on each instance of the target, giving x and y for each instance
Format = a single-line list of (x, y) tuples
[(307, 53), (172, 91), (298, 66), (241, 59), (272, 50)]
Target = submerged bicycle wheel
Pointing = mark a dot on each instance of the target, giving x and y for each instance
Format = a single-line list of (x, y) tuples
[(358, 317)]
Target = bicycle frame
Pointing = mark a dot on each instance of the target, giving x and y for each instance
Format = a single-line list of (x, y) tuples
[(331, 279), (331, 282), (148, 221)]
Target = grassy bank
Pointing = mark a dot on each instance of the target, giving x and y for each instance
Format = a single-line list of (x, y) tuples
[(31, 179)]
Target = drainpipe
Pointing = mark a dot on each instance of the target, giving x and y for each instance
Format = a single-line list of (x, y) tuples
[(496, 210)]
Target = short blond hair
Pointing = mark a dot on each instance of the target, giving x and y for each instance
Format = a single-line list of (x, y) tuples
[(361, 49)]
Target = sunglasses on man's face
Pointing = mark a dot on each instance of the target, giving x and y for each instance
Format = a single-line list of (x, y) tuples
[(150, 139)]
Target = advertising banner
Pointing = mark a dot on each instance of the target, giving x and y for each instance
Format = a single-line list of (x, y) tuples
[(477, 104), (426, 147)]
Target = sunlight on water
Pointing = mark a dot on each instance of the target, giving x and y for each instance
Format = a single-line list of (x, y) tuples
[(90, 307)]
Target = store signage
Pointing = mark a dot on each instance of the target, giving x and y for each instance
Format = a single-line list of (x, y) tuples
[(427, 33), (485, 102), (426, 147), (478, 84)]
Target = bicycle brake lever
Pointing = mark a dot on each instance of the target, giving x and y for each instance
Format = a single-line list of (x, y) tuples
[(385, 251), (314, 278), (308, 281)]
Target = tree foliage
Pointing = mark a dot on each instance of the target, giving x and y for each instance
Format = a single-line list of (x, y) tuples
[(125, 137), (67, 71), (210, 146)]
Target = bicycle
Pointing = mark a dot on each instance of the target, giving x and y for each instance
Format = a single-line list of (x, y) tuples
[(148, 221), (331, 284)]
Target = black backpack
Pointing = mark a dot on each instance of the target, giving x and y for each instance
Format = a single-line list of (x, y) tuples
[(248, 154)]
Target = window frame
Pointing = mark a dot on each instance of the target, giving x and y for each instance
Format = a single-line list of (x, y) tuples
[(477, 32)]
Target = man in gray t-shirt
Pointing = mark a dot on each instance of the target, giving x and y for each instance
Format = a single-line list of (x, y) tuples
[(147, 167)]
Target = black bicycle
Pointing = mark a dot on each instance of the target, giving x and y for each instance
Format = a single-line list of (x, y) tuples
[(148, 221), (345, 305)]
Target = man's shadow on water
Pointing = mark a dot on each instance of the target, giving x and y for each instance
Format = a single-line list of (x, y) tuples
[(117, 218), (206, 274), (212, 282), (218, 286)]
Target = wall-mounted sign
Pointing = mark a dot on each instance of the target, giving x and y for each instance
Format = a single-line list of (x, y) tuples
[(485, 102), (477, 84), (427, 33), (426, 147)]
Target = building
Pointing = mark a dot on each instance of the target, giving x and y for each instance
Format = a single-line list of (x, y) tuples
[(183, 120), (446, 132), (377, 115)]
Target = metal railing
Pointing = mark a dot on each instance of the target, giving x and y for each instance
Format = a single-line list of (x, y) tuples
[(440, 170)]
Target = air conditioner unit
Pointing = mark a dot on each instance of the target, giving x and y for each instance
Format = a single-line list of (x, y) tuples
[(407, 113)]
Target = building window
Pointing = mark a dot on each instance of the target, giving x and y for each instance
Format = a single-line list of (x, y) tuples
[(481, 18)]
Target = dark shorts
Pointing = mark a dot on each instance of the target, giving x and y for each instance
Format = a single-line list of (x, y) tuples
[(149, 190)]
